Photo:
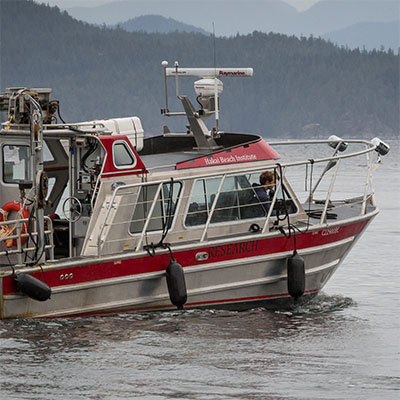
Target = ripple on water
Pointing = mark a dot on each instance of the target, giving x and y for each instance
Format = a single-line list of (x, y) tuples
[(196, 354)]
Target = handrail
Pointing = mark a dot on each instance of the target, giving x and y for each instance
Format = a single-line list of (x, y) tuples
[(19, 235), (147, 222), (320, 141), (267, 164), (329, 193), (121, 191), (271, 207), (213, 206), (368, 184)]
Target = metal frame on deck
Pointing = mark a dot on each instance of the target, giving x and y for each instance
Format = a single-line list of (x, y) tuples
[(20, 250), (206, 173)]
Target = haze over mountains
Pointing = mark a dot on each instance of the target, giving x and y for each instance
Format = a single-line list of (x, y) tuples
[(301, 87), (356, 23)]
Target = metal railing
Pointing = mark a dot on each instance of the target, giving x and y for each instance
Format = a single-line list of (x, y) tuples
[(330, 174), (20, 249)]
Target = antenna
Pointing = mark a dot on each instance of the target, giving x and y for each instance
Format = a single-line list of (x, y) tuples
[(215, 82), (215, 50), (164, 64), (176, 78)]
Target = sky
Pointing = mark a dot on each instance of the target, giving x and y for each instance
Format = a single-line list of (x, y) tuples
[(298, 4)]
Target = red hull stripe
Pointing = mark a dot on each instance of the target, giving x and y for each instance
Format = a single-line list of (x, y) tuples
[(233, 251)]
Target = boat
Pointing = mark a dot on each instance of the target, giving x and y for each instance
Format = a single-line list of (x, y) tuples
[(96, 218)]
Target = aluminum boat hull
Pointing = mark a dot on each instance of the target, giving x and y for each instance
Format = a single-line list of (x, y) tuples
[(232, 275)]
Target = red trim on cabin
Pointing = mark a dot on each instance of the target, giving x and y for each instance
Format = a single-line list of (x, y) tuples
[(187, 258), (250, 152), (110, 170)]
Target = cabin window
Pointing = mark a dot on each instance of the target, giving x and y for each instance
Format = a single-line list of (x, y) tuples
[(51, 184), (47, 155), (284, 201), (164, 210), (16, 163), (201, 201), (236, 201), (123, 156), (227, 207)]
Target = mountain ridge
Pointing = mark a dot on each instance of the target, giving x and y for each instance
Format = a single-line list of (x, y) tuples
[(99, 73), (158, 24), (365, 35), (272, 16)]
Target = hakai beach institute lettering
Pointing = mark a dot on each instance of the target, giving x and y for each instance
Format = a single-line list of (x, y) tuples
[(230, 159)]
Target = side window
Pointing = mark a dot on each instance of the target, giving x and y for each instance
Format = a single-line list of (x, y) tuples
[(201, 201), (16, 163), (284, 202), (249, 203), (47, 156), (164, 209), (51, 184), (227, 207), (240, 198), (237, 200), (123, 156)]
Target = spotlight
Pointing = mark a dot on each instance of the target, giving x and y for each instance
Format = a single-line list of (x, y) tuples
[(337, 143)]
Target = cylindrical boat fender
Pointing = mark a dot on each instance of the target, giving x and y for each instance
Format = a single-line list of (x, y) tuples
[(176, 284), (296, 275), (32, 287)]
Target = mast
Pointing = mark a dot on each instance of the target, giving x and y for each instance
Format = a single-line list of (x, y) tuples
[(39, 176), (208, 90), (24, 108)]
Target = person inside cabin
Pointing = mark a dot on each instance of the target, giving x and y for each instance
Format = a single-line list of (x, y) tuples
[(265, 190)]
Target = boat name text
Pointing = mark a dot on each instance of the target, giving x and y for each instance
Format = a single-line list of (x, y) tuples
[(330, 231), (233, 249)]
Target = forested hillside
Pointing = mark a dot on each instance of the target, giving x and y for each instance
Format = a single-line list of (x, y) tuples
[(300, 87)]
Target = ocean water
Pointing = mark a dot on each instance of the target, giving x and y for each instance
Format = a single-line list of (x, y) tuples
[(345, 344)]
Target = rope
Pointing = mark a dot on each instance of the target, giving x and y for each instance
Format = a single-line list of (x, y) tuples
[(150, 248), (310, 195), (9, 123)]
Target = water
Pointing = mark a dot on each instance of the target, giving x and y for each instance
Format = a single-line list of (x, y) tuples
[(343, 345)]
